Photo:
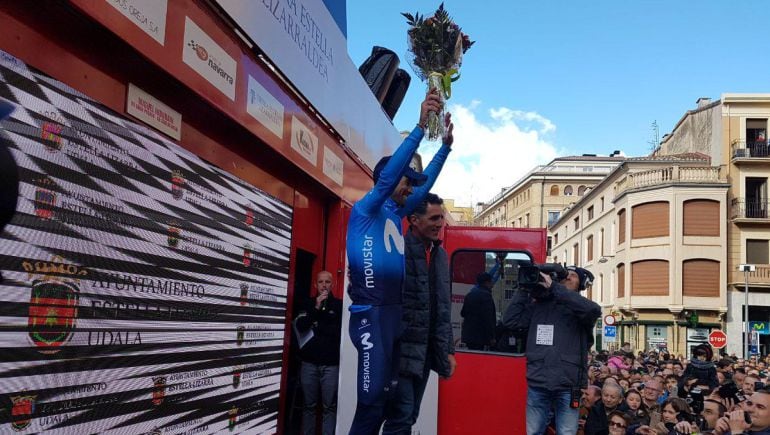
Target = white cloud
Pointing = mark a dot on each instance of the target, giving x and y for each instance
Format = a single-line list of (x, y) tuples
[(490, 155)]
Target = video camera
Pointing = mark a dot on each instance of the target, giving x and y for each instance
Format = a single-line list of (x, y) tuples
[(529, 277)]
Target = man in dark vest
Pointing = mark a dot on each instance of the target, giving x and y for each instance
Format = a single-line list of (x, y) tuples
[(426, 343)]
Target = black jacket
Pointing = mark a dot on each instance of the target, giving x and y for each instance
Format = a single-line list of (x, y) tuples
[(596, 422), (564, 321), (705, 371), (324, 347), (427, 327), (479, 318)]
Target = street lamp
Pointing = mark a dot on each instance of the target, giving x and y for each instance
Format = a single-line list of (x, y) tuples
[(746, 268)]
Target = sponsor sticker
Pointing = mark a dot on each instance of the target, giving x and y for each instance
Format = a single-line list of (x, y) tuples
[(208, 59)]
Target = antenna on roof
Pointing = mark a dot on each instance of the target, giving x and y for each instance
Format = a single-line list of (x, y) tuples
[(655, 141)]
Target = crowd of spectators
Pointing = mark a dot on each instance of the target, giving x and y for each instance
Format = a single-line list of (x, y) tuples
[(657, 393)]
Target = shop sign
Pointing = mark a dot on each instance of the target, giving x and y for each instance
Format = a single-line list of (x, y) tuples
[(333, 166), (304, 141), (153, 112), (264, 107), (148, 15), (208, 59)]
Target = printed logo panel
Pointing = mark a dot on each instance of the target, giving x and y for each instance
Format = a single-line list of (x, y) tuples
[(142, 287)]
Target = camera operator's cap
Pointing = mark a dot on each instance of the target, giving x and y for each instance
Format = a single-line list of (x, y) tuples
[(6, 108), (413, 172), (585, 277)]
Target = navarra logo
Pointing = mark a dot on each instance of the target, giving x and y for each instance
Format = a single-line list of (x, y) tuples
[(233, 418), (199, 50), (45, 198), (174, 233), (249, 217), (239, 335), (53, 307), (177, 184), (22, 410), (158, 390), (50, 132), (237, 376), (244, 294)]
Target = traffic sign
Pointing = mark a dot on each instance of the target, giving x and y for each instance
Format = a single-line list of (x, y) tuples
[(609, 319), (718, 339), (610, 331)]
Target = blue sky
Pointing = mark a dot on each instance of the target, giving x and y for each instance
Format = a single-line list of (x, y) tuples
[(552, 78)]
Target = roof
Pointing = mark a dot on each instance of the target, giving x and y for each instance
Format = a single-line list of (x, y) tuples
[(689, 157), (590, 159)]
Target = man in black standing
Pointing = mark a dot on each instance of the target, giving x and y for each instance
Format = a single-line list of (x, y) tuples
[(426, 343), (318, 325), (479, 314)]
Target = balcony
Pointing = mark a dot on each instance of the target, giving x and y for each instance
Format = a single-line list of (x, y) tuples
[(754, 209), (742, 151), (669, 175), (760, 277)]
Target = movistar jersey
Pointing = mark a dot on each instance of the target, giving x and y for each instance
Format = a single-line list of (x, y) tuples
[(375, 245)]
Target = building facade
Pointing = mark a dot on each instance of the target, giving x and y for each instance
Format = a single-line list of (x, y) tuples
[(653, 234), (537, 199), (733, 131)]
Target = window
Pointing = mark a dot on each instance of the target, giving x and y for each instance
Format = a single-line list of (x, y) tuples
[(700, 278), (621, 280), (554, 190), (590, 212), (622, 226), (590, 248), (650, 220), (601, 204), (568, 191), (701, 218), (649, 278), (581, 190), (556, 239), (600, 289), (553, 216), (757, 251), (526, 220), (601, 242), (577, 222), (549, 243), (576, 254)]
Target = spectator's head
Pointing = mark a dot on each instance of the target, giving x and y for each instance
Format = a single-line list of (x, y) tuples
[(652, 392), (758, 407), (624, 384), (671, 383), (591, 395), (634, 399), (628, 359), (748, 384), (672, 408), (618, 423), (612, 395), (725, 365), (577, 279), (427, 219), (484, 280), (702, 352), (323, 282), (739, 375), (712, 411), (413, 176), (721, 377), (626, 347)]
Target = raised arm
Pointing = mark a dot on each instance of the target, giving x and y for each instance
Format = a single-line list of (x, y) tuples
[(432, 171)]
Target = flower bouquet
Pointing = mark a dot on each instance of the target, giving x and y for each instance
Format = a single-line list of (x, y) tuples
[(436, 45)]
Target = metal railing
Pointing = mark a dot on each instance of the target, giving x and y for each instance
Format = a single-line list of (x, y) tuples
[(743, 208), (671, 174), (743, 149)]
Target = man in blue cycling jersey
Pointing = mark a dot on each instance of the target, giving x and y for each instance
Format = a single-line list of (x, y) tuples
[(375, 248)]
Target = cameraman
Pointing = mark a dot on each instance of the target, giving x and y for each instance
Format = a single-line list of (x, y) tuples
[(558, 323)]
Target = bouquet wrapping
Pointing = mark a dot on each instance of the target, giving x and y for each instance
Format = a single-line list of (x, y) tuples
[(436, 47)]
